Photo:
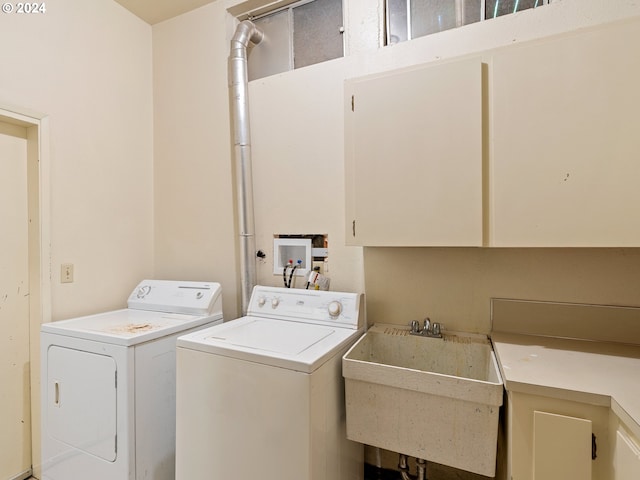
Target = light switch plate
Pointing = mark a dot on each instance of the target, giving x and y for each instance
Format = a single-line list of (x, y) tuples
[(66, 273)]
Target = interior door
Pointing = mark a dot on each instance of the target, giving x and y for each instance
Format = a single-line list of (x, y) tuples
[(15, 417)]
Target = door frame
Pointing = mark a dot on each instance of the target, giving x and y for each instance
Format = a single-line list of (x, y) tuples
[(39, 231)]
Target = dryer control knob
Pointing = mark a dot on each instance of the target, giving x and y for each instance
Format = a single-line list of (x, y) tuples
[(335, 308), (261, 301), (275, 302), (143, 291)]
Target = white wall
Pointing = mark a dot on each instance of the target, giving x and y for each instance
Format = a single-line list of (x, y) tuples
[(454, 285), (193, 183), (87, 66), (298, 170)]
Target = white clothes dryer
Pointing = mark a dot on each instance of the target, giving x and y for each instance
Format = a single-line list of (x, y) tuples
[(262, 396), (108, 383)]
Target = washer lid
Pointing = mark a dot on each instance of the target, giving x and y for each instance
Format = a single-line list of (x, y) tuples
[(288, 344), (127, 326), (273, 336)]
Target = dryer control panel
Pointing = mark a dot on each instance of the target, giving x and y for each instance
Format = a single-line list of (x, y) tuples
[(340, 309), (194, 298)]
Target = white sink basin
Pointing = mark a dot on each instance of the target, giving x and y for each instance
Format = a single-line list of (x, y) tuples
[(437, 399)]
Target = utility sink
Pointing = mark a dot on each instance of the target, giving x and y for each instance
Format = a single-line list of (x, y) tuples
[(432, 398)]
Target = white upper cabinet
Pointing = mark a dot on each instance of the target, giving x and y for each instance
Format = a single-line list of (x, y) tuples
[(560, 163), (413, 156), (565, 141)]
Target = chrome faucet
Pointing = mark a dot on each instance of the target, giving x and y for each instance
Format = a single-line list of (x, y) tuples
[(429, 329)]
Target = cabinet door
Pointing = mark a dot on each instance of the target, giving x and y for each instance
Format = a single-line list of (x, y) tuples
[(561, 447), (565, 143), (413, 154), (626, 460)]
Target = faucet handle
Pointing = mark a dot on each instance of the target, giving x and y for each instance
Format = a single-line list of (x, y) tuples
[(415, 326), (427, 325), (436, 329)]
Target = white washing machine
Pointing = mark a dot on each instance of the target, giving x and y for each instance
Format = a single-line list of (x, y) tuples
[(262, 396), (108, 384)]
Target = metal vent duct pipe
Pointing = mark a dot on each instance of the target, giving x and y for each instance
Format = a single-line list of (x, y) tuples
[(238, 85)]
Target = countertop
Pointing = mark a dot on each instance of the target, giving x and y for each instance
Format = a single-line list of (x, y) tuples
[(597, 373)]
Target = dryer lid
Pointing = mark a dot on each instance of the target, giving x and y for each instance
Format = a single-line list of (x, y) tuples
[(127, 326)]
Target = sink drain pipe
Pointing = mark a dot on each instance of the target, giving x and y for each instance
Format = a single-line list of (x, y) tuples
[(238, 88), (404, 468)]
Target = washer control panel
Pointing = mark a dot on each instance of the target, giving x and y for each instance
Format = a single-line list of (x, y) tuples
[(312, 306), (195, 298)]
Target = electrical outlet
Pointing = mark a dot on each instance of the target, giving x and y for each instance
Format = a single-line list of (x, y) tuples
[(66, 273)]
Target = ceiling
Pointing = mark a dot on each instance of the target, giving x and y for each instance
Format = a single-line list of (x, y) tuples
[(155, 11)]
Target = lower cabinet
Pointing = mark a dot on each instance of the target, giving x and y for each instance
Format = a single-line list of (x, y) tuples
[(552, 439), (626, 455), (562, 447)]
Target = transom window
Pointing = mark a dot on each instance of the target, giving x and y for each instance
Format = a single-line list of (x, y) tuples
[(298, 35), (408, 19), (311, 31)]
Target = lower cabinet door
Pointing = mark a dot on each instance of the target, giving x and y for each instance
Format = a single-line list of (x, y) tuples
[(562, 447), (626, 461)]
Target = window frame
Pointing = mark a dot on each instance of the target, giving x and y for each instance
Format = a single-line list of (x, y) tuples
[(289, 7), (459, 18)]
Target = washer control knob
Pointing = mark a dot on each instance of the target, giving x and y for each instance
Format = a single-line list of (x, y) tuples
[(275, 302), (261, 301), (335, 308)]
